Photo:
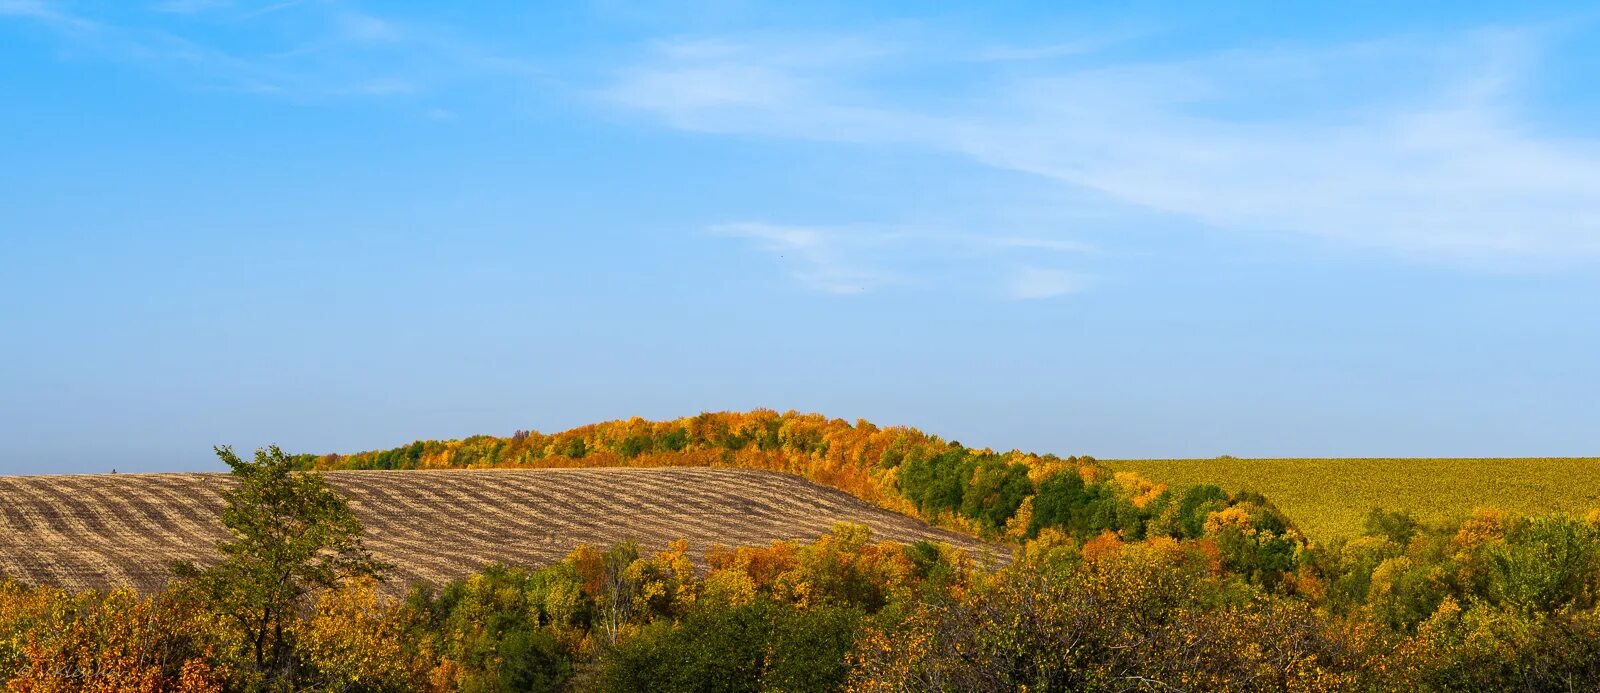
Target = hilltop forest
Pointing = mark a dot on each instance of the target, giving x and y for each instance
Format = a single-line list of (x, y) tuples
[(1010, 495)]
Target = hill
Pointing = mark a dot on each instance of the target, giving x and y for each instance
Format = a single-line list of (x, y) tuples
[(103, 530), (976, 491), (1010, 494), (1329, 498)]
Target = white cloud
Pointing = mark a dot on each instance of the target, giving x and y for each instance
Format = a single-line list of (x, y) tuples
[(23, 8), (189, 6), (303, 50), (1412, 146), (385, 86), (367, 28), (46, 13), (1028, 283), (1058, 245), (855, 259), (821, 258)]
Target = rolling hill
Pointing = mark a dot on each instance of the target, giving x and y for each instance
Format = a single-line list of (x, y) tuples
[(979, 491), (107, 530)]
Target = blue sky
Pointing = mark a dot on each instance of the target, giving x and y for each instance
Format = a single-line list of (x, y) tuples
[(1347, 230)]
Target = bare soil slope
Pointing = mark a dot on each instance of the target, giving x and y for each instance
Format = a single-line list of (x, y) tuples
[(107, 530)]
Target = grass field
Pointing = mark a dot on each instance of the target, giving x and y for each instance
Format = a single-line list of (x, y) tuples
[(105, 530), (1328, 498)]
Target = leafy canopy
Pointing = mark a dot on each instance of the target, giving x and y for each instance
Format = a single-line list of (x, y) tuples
[(292, 536)]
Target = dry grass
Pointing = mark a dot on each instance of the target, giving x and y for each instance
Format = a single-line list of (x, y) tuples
[(104, 530)]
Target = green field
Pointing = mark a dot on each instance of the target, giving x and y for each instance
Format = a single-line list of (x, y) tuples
[(1328, 498)]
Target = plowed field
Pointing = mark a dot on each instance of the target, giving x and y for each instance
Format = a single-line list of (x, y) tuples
[(104, 530)]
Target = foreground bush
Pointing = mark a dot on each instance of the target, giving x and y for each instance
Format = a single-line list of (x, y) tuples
[(1493, 602)]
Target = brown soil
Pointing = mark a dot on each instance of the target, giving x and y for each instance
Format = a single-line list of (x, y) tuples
[(108, 530)]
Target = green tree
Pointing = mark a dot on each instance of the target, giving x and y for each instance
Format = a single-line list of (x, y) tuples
[(1544, 564), (759, 646), (1398, 526), (292, 536), (995, 491)]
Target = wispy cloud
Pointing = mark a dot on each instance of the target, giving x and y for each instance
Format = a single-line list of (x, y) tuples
[(366, 28), (24, 8), (822, 258), (1058, 245), (189, 6), (1032, 283), (1416, 146), (46, 13), (856, 259), (300, 49), (1101, 39)]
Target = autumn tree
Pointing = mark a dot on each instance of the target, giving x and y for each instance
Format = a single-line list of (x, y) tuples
[(292, 537), (608, 581)]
